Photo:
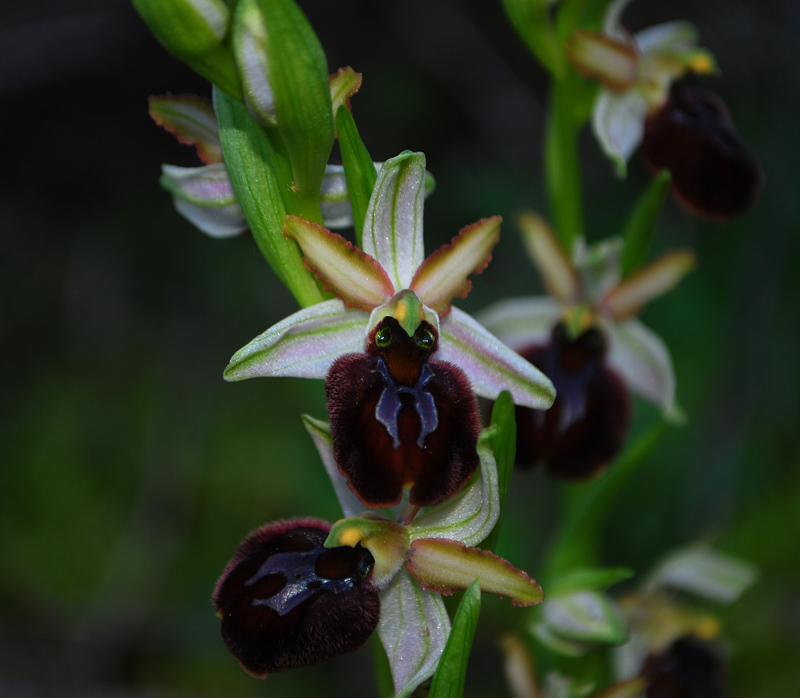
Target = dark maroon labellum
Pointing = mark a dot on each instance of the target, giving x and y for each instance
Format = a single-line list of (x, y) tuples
[(286, 601), (688, 668), (587, 424), (400, 419), (714, 173)]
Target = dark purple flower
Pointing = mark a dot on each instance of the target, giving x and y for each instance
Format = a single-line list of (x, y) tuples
[(714, 173), (587, 424), (401, 420), (286, 601), (688, 668)]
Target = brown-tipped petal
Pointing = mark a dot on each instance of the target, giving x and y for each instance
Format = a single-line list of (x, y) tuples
[(443, 275), (630, 296), (448, 566), (612, 62), (558, 273), (714, 173), (354, 276), (191, 119), (286, 601), (344, 83)]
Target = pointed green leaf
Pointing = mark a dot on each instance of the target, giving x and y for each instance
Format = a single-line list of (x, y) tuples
[(504, 446), (641, 224), (358, 167), (195, 31), (247, 155), (295, 81), (450, 677)]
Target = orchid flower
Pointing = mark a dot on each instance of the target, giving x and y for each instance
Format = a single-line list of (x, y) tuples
[(371, 573), (204, 195), (636, 72), (397, 307), (586, 337)]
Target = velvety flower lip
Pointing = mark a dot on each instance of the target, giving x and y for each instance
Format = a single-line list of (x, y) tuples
[(589, 291), (288, 601), (636, 72), (391, 277)]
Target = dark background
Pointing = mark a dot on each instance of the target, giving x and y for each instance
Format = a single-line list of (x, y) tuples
[(129, 470)]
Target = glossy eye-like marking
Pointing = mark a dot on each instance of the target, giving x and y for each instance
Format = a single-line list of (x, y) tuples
[(424, 338), (401, 420), (384, 337), (286, 601), (586, 426)]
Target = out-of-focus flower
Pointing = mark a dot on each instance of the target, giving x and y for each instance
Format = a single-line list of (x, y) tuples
[(688, 668), (586, 339), (636, 72), (204, 195), (399, 390), (714, 173), (657, 619)]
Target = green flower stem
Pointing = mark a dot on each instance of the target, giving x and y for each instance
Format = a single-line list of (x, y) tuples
[(588, 506), (562, 165), (252, 161)]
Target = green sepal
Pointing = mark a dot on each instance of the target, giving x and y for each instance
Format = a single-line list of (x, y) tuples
[(641, 224), (531, 19), (199, 41), (387, 540), (585, 617), (248, 156), (298, 77), (359, 170), (504, 446), (588, 579), (450, 676)]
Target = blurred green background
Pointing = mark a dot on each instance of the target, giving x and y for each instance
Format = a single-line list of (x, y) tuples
[(129, 470)]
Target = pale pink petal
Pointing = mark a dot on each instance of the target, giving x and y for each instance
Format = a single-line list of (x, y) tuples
[(618, 124), (521, 323), (490, 365), (303, 345), (352, 275), (413, 628), (393, 223), (642, 359), (443, 275)]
